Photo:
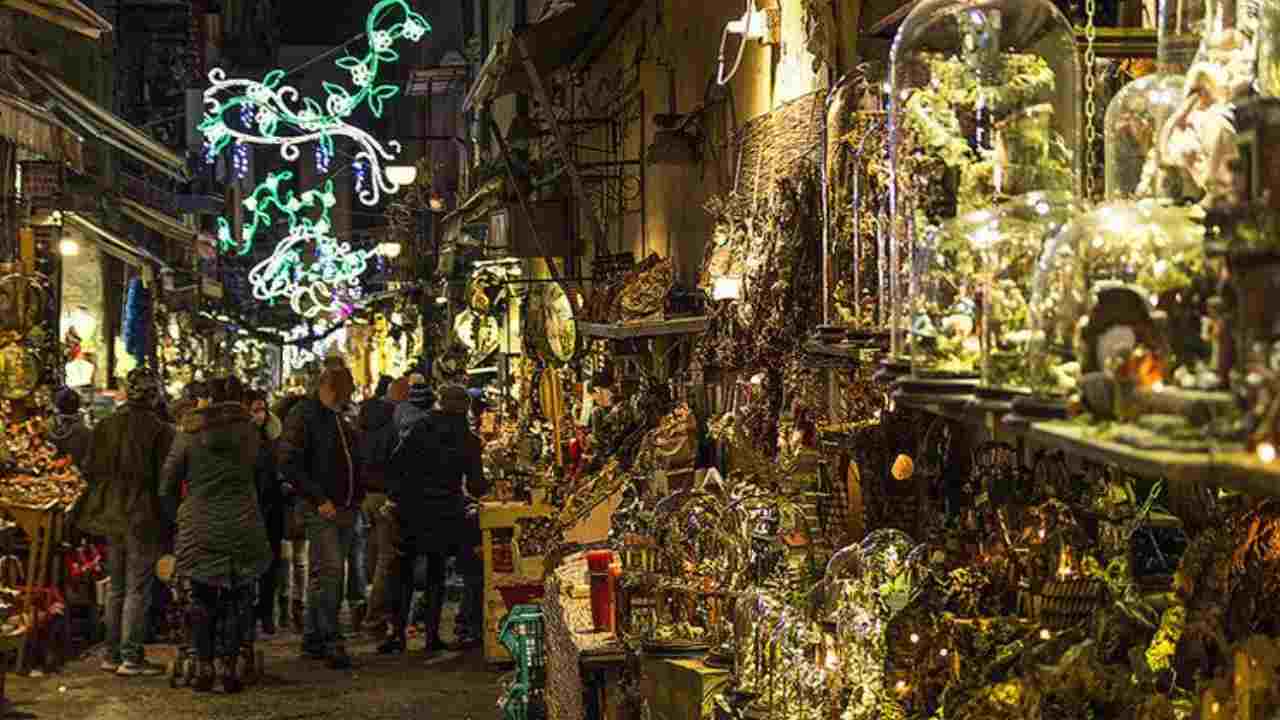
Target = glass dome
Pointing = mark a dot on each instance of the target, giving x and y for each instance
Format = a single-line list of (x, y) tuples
[(856, 192), (970, 305), (1153, 248), (1005, 251), (984, 108), (1140, 110)]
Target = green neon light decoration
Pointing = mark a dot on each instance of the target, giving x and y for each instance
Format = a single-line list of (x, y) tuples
[(280, 116)]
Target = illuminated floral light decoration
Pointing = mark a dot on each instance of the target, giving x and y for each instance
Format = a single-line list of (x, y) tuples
[(284, 118), (273, 114), (311, 284)]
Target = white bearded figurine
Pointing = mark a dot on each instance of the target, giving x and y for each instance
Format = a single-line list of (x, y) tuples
[(1198, 140)]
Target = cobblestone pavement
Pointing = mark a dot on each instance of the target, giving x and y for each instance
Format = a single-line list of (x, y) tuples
[(452, 686)]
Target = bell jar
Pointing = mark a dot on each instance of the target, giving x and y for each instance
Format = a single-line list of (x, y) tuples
[(1126, 283), (855, 192), (984, 108), (1005, 252), (1140, 110)]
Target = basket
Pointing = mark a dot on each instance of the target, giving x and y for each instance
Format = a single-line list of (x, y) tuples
[(522, 634)]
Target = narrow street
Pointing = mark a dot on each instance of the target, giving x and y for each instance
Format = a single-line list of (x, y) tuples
[(452, 686)]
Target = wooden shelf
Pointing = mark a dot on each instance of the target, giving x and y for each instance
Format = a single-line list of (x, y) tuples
[(1234, 470), (647, 329)]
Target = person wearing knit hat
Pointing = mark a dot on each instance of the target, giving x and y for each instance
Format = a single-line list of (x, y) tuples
[(426, 480), (69, 433), (422, 398), (123, 504)]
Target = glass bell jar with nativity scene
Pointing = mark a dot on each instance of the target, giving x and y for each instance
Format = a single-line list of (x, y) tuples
[(1117, 317), (984, 109), (1139, 112)]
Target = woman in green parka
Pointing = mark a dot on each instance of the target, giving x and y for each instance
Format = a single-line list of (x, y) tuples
[(217, 466)]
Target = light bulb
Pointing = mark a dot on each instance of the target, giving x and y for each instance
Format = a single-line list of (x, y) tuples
[(69, 248), (915, 638), (389, 249), (727, 288), (1267, 452)]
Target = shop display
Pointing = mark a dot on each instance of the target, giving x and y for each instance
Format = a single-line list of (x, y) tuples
[(1118, 300), (970, 315), (977, 118), (32, 473)]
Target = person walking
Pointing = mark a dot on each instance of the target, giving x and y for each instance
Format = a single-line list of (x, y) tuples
[(319, 457), (378, 439), (123, 504), (69, 434), (222, 460), (426, 480), (293, 575), (271, 502)]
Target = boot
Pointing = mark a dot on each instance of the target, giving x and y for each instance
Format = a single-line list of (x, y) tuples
[(204, 676), (231, 682), (249, 664), (358, 614)]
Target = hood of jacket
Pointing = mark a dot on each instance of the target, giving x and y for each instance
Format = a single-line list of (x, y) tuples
[(407, 415), (219, 427)]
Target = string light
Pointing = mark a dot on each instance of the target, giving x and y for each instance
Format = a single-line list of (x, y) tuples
[(240, 160), (324, 157), (361, 174), (285, 118)]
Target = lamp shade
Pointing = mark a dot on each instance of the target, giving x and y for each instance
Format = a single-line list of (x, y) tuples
[(402, 174)]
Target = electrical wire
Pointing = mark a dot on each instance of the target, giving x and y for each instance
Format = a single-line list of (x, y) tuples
[(742, 46)]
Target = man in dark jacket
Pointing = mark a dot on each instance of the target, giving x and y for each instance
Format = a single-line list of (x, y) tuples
[(319, 457), (123, 504), (438, 465), (378, 438)]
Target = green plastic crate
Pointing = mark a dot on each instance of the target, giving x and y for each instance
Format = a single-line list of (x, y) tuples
[(522, 634)]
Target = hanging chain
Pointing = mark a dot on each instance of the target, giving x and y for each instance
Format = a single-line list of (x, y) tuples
[(1090, 97)]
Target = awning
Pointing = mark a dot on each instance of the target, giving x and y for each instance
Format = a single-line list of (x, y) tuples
[(114, 245), (161, 222), (567, 32), (72, 15), (101, 123), (30, 127)]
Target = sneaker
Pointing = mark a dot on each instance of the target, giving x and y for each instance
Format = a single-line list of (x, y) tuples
[(109, 665), (142, 668)]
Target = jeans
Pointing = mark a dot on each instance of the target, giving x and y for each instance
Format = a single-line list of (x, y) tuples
[(293, 583), (402, 598), (221, 620), (132, 564), (267, 584), (357, 585), (470, 619), (328, 546), (386, 538)]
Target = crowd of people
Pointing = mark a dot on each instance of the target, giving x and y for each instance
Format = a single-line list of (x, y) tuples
[(271, 514)]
